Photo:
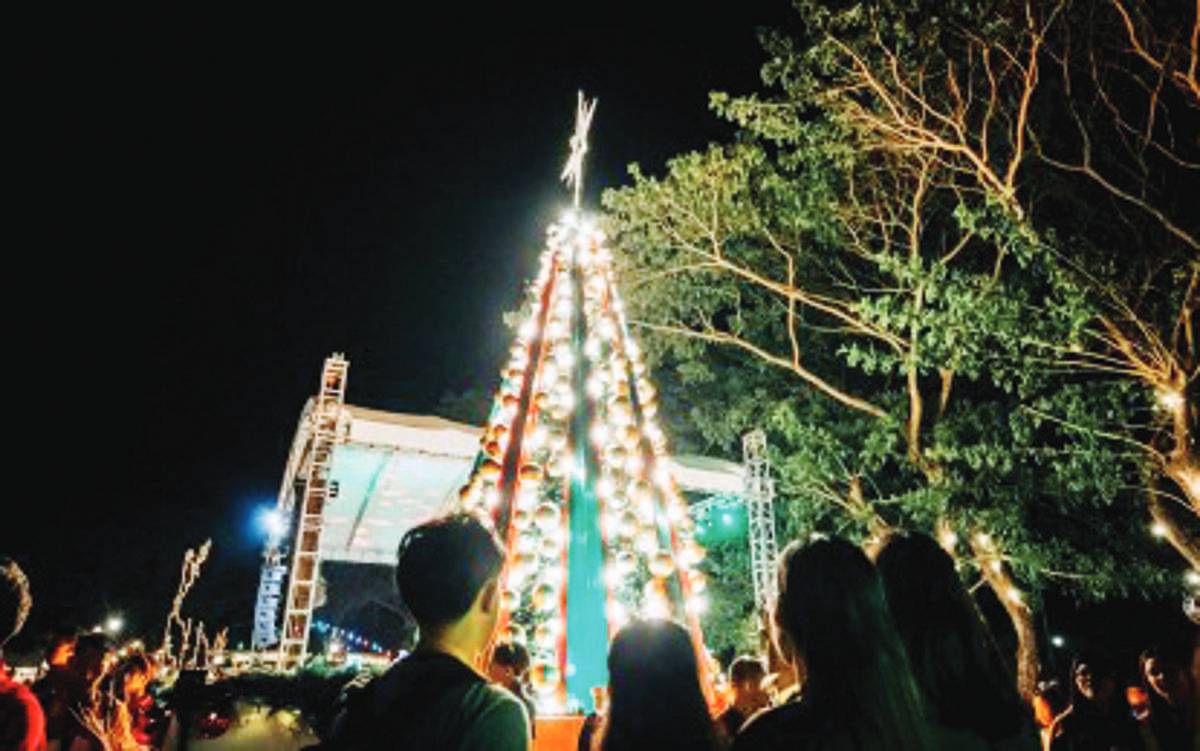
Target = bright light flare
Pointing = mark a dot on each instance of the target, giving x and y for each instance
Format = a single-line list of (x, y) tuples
[(273, 523)]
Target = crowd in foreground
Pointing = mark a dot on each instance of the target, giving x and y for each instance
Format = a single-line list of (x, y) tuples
[(884, 654)]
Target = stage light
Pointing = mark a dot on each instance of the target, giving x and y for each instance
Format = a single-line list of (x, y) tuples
[(273, 523)]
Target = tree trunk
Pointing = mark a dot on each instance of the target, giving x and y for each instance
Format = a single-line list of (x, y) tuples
[(991, 564)]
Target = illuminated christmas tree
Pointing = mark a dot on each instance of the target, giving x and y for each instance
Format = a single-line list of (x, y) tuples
[(574, 473)]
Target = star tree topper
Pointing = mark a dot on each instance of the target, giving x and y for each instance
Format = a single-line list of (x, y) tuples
[(573, 172)]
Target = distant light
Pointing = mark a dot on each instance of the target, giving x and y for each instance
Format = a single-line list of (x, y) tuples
[(114, 624), (273, 523), (1170, 399), (1058, 641), (1158, 529), (1192, 577)]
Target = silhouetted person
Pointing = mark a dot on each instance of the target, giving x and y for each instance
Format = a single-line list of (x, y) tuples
[(746, 676), (22, 722), (435, 698), (654, 696), (857, 692), (71, 694), (1167, 680), (970, 696), (510, 668), (1098, 718), (591, 723)]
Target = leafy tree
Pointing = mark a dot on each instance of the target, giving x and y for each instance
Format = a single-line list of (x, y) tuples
[(867, 262)]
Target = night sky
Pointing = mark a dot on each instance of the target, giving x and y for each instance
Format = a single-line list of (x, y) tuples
[(202, 216)]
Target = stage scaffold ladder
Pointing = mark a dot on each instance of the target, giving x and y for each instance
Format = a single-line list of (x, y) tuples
[(305, 572), (275, 552), (760, 513)]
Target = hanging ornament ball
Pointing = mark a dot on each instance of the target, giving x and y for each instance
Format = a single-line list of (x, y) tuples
[(625, 562), (532, 473), (499, 431), (523, 566), (544, 635), (492, 449), (641, 492), (655, 589), (620, 403), (544, 677), (522, 518), (549, 547), (662, 564), (628, 525), (617, 455), (510, 401), (646, 390), (545, 596), (515, 633), (547, 517), (509, 600), (490, 469), (540, 400)]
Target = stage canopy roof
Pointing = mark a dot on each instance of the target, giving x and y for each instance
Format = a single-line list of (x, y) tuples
[(397, 470)]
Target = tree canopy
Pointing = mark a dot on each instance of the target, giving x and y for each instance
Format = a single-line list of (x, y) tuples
[(890, 270)]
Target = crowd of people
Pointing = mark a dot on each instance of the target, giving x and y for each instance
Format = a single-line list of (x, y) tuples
[(89, 697), (884, 653), (889, 653)]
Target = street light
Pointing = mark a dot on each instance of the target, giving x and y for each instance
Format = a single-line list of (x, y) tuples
[(1058, 641), (114, 624)]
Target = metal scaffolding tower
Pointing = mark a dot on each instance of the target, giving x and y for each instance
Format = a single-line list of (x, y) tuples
[(760, 513), (275, 551), (325, 422)]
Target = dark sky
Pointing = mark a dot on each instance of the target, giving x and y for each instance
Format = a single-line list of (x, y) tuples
[(202, 216)]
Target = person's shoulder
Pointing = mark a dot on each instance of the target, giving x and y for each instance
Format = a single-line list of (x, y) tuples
[(22, 722), (495, 718), (489, 697), (18, 694), (772, 728)]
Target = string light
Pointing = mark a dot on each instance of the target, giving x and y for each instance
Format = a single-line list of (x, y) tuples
[(1170, 399)]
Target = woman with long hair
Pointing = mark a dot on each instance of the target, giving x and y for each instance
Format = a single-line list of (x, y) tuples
[(1167, 683), (971, 698), (1099, 716), (857, 692), (655, 700)]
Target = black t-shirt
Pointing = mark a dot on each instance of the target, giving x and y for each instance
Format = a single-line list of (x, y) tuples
[(432, 701)]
